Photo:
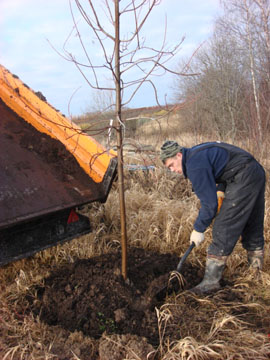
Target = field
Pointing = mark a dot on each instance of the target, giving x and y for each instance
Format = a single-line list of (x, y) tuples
[(71, 303)]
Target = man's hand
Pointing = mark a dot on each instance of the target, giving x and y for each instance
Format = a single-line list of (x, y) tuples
[(220, 198), (196, 237)]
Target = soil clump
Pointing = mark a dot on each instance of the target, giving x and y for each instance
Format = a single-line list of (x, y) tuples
[(91, 296)]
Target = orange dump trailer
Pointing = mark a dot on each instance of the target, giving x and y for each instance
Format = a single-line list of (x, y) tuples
[(48, 168)]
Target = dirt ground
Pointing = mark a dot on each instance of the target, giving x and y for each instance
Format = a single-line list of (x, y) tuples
[(91, 296)]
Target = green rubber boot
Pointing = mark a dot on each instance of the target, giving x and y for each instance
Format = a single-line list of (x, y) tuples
[(213, 273), (255, 258)]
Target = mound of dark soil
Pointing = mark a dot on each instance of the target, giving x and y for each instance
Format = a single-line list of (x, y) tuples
[(91, 296)]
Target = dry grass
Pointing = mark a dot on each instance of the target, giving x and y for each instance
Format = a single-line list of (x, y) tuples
[(220, 328), (161, 208)]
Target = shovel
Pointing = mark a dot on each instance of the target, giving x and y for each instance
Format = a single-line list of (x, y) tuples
[(161, 294)]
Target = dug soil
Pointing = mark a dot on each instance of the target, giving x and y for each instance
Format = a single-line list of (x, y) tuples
[(34, 160), (91, 296)]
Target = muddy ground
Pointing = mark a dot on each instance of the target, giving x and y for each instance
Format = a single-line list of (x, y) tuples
[(91, 296)]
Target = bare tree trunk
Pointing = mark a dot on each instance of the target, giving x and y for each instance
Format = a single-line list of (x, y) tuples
[(119, 127), (252, 71), (126, 51)]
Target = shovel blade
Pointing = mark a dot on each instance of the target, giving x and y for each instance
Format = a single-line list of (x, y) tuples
[(174, 286)]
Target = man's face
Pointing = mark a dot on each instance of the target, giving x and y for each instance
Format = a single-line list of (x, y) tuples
[(175, 163)]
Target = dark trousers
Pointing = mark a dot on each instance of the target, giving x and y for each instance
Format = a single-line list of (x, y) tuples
[(242, 212)]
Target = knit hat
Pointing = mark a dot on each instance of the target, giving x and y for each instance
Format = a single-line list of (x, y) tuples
[(169, 149)]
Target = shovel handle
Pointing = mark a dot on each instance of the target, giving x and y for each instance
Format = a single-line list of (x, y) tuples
[(183, 258)]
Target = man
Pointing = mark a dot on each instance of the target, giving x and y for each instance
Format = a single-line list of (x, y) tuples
[(210, 167)]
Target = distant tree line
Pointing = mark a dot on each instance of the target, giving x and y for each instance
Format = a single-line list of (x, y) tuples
[(230, 94)]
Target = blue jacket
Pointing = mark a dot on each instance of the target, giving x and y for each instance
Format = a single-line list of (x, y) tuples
[(203, 167)]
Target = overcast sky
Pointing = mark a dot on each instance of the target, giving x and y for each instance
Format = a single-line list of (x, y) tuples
[(33, 31)]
